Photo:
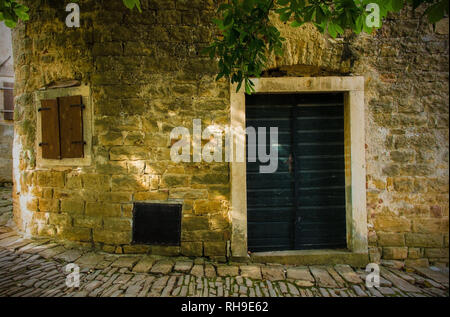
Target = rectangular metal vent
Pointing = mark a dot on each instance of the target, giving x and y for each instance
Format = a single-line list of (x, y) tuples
[(157, 224)]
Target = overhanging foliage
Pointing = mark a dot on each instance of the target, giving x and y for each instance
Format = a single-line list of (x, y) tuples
[(247, 36)]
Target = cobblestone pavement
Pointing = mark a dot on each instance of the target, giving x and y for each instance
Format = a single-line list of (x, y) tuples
[(5, 205), (36, 268)]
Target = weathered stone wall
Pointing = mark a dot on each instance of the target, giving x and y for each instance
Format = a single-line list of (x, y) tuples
[(147, 76), (406, 69), (405, 65)]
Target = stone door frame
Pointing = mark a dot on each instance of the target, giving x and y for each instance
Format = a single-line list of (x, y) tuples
[(355, 164)]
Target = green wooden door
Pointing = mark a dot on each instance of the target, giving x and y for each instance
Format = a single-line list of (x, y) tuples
[(302, 204)]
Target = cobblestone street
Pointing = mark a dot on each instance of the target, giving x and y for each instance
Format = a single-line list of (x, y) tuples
[(35, 268)]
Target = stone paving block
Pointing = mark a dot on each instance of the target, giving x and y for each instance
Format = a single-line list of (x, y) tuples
[(348, 274), (300, 273), (19, 244), (198, 270), (251, 271), (69, 256), (31, 246), (227, 270), (50, 253), (7, 235), (90, 260), (183, 266), (393, 264), (343, 293), (273, 273), (123, 279), (38, 248), (323, 279), (302, 283), (126, 262), (434, 275), (210, 271), (102, 265), (374, 292), (283, 287), (404, 276), (359, 291), (398, 282), (170, 284), (92, 285), (324, 292), (144, 265), (293, 290), (430, 283), (336, 277), (159, 285), (10, 240), (162, 267), (133, 290)]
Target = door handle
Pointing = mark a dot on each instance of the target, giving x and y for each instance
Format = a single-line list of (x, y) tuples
[(291, 160)]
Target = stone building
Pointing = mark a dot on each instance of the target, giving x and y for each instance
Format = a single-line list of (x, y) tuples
[(113, 183), (6, 105)]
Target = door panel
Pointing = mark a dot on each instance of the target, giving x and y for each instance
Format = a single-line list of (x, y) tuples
[(320, 177), (270, 197), (302, 204)]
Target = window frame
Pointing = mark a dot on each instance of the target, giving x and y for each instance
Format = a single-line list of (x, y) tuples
[(87, 113)]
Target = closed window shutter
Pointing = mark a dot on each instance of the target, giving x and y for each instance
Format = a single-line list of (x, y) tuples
[(71, 126), (8, 101), (50, 129)]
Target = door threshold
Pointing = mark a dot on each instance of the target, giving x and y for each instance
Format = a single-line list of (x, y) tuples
[(312, 257)]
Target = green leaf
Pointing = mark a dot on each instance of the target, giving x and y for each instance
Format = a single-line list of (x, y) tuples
[(239, 86), (359, 25), (228, 20), (248, 37), (129, 4), (397, 5), (436, 12), (283, 2), (296, 24), (332, 30), (10, 23), (285, 16), (21, 13)]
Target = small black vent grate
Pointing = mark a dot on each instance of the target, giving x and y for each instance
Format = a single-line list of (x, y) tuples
[(157, 224)]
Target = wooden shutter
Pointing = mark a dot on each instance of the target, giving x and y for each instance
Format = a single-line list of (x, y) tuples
[(8, 101), (71, 126), (50, 129)]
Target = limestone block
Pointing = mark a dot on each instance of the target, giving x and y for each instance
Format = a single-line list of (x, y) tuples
[(192, 248), (424, 240), (111, 237), (72, 206), (395, 253), (214, 248), (387, 239)]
